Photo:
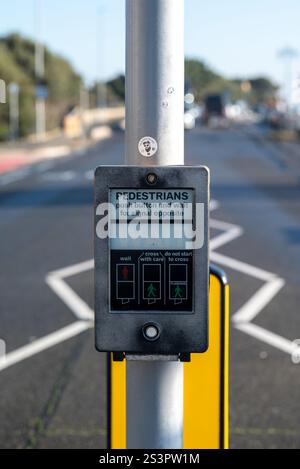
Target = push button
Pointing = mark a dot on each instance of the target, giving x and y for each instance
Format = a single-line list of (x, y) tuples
[(151, 332)]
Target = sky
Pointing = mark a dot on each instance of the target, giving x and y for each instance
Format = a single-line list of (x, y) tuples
[(238, 38)]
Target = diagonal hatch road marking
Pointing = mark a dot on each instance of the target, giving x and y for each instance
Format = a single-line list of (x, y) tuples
[(242, 319)]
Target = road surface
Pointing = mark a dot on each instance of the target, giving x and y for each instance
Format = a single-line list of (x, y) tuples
[(53, 392)]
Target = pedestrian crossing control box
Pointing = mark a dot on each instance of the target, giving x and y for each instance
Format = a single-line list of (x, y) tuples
[(151, 259)]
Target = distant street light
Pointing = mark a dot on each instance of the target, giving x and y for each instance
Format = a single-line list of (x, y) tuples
[(101, 36), (288, 55), (84, 98), (2, 92), (13, 90), (41, 90)]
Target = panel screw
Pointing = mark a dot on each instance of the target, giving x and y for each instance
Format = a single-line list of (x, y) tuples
[(151, 178)]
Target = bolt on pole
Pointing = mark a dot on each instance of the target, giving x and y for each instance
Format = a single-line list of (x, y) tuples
[(154, 109)]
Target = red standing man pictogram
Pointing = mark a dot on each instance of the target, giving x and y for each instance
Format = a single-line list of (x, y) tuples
[(125, 272)]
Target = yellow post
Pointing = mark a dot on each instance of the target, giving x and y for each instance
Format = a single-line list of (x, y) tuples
[(205, 383), (206, 378)]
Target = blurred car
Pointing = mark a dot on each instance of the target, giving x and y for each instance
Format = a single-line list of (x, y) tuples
[(214, 111), (240, 113), (276, 119)]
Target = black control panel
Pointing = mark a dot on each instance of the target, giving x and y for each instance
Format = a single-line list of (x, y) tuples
[(151, 259)]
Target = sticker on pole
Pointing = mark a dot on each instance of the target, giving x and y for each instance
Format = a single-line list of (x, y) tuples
[(148, 146)]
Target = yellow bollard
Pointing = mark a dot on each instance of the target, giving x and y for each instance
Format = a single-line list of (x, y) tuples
[(205, 383)]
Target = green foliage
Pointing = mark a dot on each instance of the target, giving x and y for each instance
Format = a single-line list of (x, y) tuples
[(117, 86), (262, 90), (202, 80), (17, 64), (63, 83), (110, 93)]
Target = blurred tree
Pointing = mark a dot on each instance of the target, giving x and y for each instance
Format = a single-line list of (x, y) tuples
[(117, 86), (110, 93), (260, 90), (202, 80), (17, 64), (263, 89), (10, 71), (199, 79)]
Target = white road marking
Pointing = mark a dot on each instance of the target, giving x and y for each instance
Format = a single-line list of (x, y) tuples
[(52, 152), (243, 267), (14, 176), (267, 337), (79, 307), (273, 284), (23, 172), (55, 176), (231, 232), (45, 166), (44, 343), (80, 152), (66, 175), (89, 175), (258, 301), (241, 319), (251, 308), (74, 269)]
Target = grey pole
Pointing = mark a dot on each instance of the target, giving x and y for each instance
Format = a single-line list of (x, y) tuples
[(40, 105), (154, 113), (13, 89), (2, 92), (155, 79)]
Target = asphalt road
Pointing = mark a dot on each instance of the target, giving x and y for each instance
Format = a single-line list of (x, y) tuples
[(56, 397)]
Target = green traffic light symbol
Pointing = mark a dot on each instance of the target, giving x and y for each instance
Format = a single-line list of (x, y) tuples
[(178, 292), (151, 291)]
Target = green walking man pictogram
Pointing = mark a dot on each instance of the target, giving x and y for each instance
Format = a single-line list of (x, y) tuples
[(178, 292), (151, 292)]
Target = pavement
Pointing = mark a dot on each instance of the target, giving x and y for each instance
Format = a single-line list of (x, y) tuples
[(53, 385), (16, 155)]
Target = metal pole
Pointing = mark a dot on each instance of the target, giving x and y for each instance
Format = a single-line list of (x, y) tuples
[(2, 92), (155, 79), (288, 56), (13, 89), (101, 87), (154, 404), (40, 108), (84, 105), (154, 109)]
